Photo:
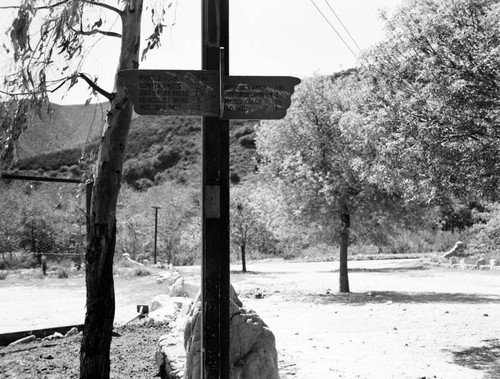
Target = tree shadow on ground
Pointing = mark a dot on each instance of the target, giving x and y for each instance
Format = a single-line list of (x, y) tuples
[(332, 270), (485, 358), (381, 297)]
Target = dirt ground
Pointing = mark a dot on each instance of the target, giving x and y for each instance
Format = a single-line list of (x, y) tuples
[(401, 320)]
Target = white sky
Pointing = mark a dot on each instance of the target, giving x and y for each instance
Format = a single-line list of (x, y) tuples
[(267, 37)]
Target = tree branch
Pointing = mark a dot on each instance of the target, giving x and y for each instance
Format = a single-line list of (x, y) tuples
[(97, 31), (95, 87), (103, 5), (37, 8), (91, 2)]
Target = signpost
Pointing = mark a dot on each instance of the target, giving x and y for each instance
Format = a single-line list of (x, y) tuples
[(218, 97)]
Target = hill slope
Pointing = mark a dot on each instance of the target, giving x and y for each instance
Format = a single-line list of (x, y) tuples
[(159, 147), (65, 126)]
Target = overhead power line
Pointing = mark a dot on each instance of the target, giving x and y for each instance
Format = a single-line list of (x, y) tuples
[(341, 23), (334, 29)]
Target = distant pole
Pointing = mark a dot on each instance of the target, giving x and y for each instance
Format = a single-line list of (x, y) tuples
[(156, 231), (215, 208)]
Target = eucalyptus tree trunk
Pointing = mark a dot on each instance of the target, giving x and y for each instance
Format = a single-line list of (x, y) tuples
[(345, 224), (100, 305)]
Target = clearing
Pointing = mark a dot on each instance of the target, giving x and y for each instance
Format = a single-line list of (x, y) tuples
[(402, 320)]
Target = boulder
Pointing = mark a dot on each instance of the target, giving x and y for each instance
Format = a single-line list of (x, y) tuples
[(129, 262), (163, 309), (458, 250), (27, 339), (463, 265), (169, 356), (252, 352), (72, 332), (480, 262)]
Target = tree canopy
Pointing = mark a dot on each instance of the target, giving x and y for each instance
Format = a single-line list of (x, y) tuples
[(326, 156), (437, 82)]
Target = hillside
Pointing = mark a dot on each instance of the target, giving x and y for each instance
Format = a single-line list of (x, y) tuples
[(65, 126), (159, 147)]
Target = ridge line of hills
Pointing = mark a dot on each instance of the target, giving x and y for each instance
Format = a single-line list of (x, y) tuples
[(159, 147)]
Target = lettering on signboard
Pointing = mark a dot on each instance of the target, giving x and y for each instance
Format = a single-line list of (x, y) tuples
[(173, 92), (197, 93), (257, 97)]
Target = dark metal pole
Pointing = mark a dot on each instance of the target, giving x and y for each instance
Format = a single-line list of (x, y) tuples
[(156, 231), (215, 212)]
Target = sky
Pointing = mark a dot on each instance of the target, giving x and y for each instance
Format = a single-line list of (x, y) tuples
[(267, 37)]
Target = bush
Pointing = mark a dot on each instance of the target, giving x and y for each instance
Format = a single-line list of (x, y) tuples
[(248, 141), (135, 169), (234, 178), (62, 273), (3, 275), (141, 271), (166, 159)]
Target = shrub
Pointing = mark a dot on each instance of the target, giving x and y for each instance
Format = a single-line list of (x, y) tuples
[(248, 141), (166, 159), (135, 169), (74, 170), (143, 184), (234, 178), (3, 275), (141, 271), (62, 273)]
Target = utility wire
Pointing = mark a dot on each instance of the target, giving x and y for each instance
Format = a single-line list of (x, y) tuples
[(341, 23), (335, 30)]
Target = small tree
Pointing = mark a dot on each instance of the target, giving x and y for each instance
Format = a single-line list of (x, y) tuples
[(37, 236)]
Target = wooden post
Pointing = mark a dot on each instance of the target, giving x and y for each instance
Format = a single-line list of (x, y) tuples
[(156, 232), (215, 213)]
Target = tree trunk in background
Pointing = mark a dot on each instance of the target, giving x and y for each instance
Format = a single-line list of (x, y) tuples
[(345, 224), (243, 257), (100, 306)]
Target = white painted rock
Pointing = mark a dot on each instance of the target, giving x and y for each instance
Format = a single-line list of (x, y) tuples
[(163, 309), (253, 352), (28, 339), (72, 332)]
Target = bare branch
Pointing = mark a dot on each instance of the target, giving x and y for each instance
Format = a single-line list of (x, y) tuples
[(103, 5), (97, 31), (95, 87)]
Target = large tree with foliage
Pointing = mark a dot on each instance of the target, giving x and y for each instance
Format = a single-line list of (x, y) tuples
[(437, 87), (47, 48), (325, 156)]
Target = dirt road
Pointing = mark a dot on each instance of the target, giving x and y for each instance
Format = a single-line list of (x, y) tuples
[(400, 321)]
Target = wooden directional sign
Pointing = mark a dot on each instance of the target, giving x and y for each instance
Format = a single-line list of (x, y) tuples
[(257, 97), (173, 92), (197, 93)]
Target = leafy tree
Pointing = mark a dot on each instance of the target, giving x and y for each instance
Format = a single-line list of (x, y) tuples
[(247, 229), (48, 48), (37, 236), (136, 229), (325, 157), (437, 89)]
